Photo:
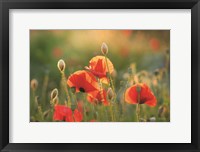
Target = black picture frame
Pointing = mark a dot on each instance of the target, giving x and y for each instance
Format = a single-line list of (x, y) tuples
[(6, 5)]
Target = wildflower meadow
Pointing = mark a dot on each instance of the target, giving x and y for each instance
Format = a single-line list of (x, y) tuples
[(99, 76)]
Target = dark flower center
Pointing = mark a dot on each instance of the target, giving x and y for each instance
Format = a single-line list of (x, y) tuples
[(82, 89), (142, 101)]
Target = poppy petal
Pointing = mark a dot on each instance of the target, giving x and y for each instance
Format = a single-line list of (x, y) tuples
[(69, 116), (131, 95), (61, 112), (98, 67), (98, 97), (83, 81), (78, 117)]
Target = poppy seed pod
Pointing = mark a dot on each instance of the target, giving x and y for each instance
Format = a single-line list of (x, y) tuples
[(34, 84), (126, 76), (162, 110), (138, 89), (61, 65), (130, 70), (73, 89), (152, 119), (110, 93), (156, 72), (104, 48), (114, 73), (54, 93)]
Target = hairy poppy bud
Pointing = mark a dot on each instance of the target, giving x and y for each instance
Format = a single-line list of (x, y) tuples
[(136, 79), (156, 72), (130, 70), (46, 113), (152, 119), (73, 89), (114, 73), (110, 93), (155, 82), (104, 48), (162, 110), (61, 65), (126, 76), (54, 94), (121, 83), (34, 84)]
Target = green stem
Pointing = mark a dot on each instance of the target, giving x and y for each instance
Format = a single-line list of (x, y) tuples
[(138, 109), (101, 91), (113, 88), (109, 75), (44, 89), (66, 89)]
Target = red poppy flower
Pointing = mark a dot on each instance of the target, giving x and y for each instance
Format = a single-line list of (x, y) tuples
[(98, 97), (146, 95), (155, 44), (127, 33), (78, 117), (124, 51), (57, 52), (83, 81), (97, 66), (63, 113)]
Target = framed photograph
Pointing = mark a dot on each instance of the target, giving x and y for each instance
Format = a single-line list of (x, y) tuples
[(99, 75)]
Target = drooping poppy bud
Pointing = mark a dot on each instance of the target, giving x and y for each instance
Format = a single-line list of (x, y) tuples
[(104, 48), (54, 93), (34, 84), (61, 65), (110, 93)]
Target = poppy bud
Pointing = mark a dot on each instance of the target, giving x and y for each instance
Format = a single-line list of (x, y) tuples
[(152, 119), (73, 89), (121, 83), (54, 94), (104, 48), (130, 70), (114, 74), (126, 76), (34, 84), (155, 82), (46, 113), (136, 79), (142, 120), (162, 111), (61, 65), (156, 72), (110, 93)]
